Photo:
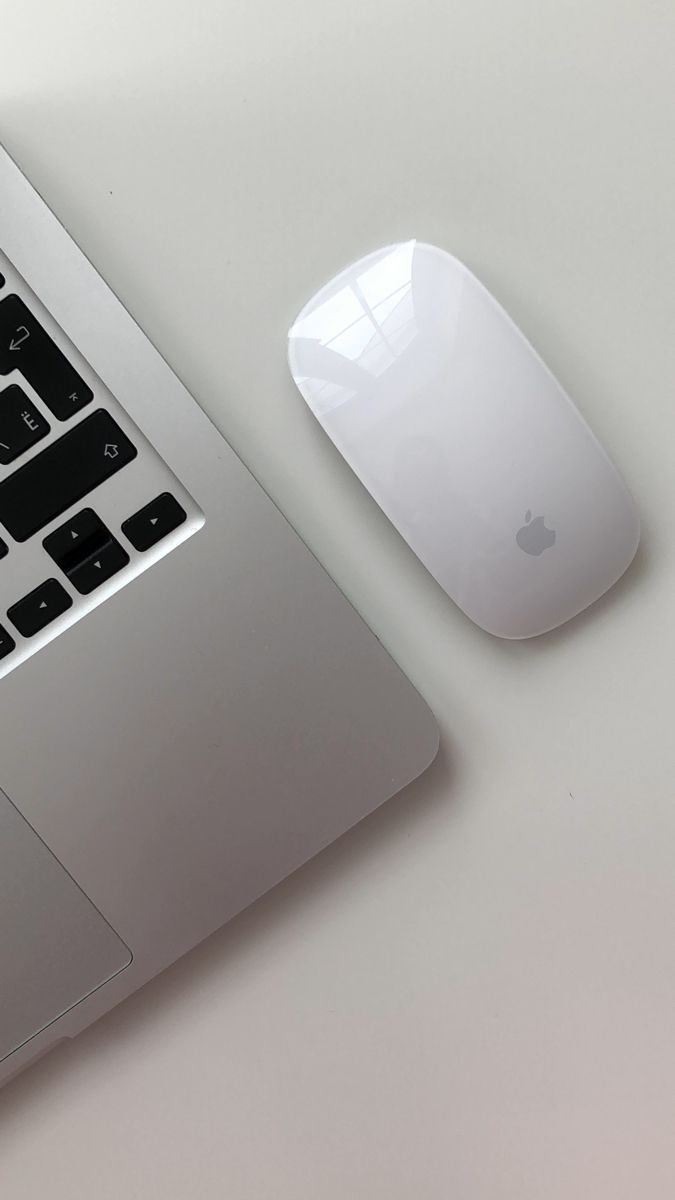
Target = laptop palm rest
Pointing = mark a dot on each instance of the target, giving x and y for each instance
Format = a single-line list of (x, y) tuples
[(55, 947)]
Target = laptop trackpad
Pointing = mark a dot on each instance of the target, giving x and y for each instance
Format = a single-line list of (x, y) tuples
[(55, 947)]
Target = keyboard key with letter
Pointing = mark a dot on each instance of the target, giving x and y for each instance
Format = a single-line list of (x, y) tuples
[(21, 425)]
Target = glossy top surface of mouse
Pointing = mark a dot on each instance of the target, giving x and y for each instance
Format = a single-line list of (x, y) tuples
[(464, 438)]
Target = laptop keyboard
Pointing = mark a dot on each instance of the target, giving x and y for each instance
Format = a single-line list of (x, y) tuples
[(69, 528)]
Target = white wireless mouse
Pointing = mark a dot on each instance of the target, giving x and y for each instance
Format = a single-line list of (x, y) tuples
[(464, 438)]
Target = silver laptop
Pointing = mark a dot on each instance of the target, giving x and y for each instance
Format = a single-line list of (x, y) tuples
[(190, 707)]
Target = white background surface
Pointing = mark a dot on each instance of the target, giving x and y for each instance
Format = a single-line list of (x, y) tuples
[(470, 997)]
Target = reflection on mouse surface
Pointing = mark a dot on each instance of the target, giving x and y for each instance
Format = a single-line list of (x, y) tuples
[(464, 438)]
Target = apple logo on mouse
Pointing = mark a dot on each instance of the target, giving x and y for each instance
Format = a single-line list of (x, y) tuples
[(533, 537)]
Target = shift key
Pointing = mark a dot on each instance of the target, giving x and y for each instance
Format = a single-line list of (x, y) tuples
[(67, 470)]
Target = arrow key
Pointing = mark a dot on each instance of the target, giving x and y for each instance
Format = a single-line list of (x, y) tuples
[(7, 643), (86, 551), (79, 536), (98, 567), (153, 522), (39, 608)]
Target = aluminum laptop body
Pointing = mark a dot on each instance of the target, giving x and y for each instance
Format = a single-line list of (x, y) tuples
[(189, 706)]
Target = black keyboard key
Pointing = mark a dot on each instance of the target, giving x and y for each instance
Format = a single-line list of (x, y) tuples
[(110, 559), (7, 643), (86, 551), (151, 523), (73, 542), (21, 425), (39, 608), (4, 549), (27, 347), (62, 474)]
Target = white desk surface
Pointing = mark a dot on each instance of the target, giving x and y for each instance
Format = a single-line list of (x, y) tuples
[(472, 996)]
